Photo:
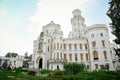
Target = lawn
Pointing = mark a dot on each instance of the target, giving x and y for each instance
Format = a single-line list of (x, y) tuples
[(85, 75), (13, 75)]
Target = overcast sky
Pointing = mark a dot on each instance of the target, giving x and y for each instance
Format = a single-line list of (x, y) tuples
[(21, 21)]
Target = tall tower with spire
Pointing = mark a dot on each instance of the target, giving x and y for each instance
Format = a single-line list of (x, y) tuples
[(77, 24)]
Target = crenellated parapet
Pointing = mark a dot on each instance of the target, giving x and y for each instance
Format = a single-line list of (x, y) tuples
[(96, 27)]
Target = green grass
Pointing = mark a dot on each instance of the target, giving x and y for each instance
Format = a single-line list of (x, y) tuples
[(85, 75), (21, 76)]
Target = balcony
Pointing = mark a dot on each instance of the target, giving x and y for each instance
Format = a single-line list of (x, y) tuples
[(39, 51), (57, 61)]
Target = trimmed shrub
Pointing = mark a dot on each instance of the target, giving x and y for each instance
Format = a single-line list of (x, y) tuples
[(45, 71), (58, 72), (33, 73), (19, 70), (74, 68)]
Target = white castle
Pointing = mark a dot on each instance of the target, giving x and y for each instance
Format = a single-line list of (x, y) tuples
[(85, 44)]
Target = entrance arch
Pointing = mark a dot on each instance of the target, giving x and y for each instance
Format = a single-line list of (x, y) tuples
[(40, 63)]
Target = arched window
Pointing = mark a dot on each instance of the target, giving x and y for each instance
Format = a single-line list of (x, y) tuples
[(105, 55), (95, 55)]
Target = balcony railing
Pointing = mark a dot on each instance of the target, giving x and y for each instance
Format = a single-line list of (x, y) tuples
[(57, 61)]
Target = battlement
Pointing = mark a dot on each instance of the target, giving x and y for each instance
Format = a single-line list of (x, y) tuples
[(96, 27)]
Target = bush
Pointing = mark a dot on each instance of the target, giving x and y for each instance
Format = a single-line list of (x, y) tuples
[(58, 72), (45, 71), (19, 70), (74, 68), (33, 73)]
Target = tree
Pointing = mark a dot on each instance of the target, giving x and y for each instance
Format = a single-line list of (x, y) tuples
[(26, 55), (0, 61), (30, 56), (5, 64), (114, 14), (11, 54)]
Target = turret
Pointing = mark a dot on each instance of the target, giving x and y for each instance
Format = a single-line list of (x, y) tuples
[(77, 24)]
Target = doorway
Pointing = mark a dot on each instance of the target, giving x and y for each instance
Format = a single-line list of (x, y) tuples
[(40, 63)]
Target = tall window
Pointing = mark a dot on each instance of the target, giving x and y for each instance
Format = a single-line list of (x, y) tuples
[(61, 55), (105, 55), (54, 46), (57, 55), (96, 66), (54, 56), (81, 56), (64, 46), (57, 67), (80, 46), (95, 55), (61, 46), (75, 46), (48, 41), (70, 46), (101, 34), (57, 45), (103, 43), (65, 56), (70, 57), (92, 35), (76, 57), (48, 48), (40, 46), (87, 66), (87, 56), (93, 44), (86, 47)]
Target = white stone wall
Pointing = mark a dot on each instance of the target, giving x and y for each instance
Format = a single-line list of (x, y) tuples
[(81, 34)]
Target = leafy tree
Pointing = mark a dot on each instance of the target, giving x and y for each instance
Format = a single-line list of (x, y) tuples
[(5, 64), (11, 54), (28, 56), (114, 14), (0, 61)]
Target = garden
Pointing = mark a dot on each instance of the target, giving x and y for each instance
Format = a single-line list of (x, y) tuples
[(72, 71)]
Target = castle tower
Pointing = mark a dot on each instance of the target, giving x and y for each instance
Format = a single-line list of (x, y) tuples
[(77, 24)]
